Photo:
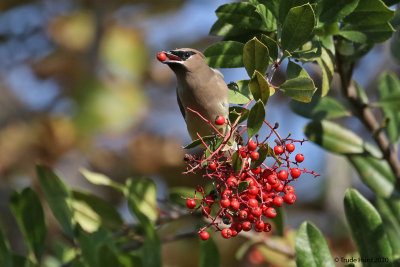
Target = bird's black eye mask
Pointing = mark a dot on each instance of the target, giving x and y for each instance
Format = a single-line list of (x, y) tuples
[(182, 55)]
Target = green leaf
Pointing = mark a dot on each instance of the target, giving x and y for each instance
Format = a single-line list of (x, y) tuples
[(337, 139), (286, 5), (376, 174), (389, 86), (141, 193), (259, 87), (19, 260), (176, 194), (58, 197), (237, 161), (267, 17), (326, 63), (243, 186), (28, 212), (5, 252), (366, 228), (279, 220), (209, 254), (241, 94), (320, 108), (233, 32), (391, 225), (101, 179), (370, 12), (256, 118), (298, 85), (234, 113), (309, 52), (255, 57), (263, 153), (241, 15), (361, 95), (271, 5), (198, 142), (367, 33), (226, 54), (395, 46), (272, 46), (298, 26), (107, 257), (106, 213), (335, 10), (311, 247)]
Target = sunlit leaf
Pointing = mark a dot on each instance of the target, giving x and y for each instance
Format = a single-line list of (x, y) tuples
[(234, 113), (226, 54), (240, 94), (320, 108), (255, 57), (101, 179), (272, 46), (259, 87)]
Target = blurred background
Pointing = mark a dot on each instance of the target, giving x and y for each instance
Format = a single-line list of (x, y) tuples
[(80, 86)]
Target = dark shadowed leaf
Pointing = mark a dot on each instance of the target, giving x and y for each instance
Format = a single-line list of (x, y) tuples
[(255, 57), (320, 108), (5, 252), (298, 85), (226, 54), (286, 5), (209, 254), (28, 212), (237, 161), (243, 186), (272, 46), (366, 228), (335, 10), (370, 12), (279, 220), (259, 87), (263, 152), (389, 86), (107, 257), (367, 33), (298, 26), (198, 142), (240, 94), (256, 118), (376, 174), (391, 224), (311, 247)]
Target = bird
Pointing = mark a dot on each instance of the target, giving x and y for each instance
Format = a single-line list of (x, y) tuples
[(200, 88)]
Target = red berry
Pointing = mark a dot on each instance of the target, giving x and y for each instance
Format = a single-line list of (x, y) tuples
[(161, 56), (254, 155), (257, 211), (278, 201), (251, 146), (225, 203), (295, 173), (290, 147), (212, 166), (299, 158), (253, 190), (250, 181), (267, 187), (246, 226), (260, 224), (270, 212), (234, 233), (236, 226), (206, 211), (226, 193), (278, 150), (231, 181), (243, 154), (253, 202), (204, 235), (279, 188), (283, 175), (289, 198), (243, 215), (272, 179), (288, 189), (219, 120), (209, 200), (267, 227), (191, 204), (256, 170), (235, 204), (226, 233)]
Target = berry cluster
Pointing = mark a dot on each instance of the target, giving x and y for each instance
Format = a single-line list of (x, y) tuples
[(245, 190)]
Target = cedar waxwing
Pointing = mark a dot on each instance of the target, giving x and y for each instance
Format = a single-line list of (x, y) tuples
[(200, 88)]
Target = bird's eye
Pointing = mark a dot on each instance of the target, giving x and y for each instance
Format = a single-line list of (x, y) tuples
[(187, 54)]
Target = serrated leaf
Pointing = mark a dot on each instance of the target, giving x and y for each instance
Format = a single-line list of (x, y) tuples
[(240, 94), (198, 142), (28, 212), (209, 254), (376, 174), (5, 252), (320, 108), (335, 10), (256, 118), (234, 113), (366, 228), (272, 46), (58, 197), (391, 225), (389, 86), (337, 139), (298, 26), (243, 186), (259, 87), (298, 85), (106, 213), (311, 247), (255, 57), (225, 54), (237, 161), (101, 179), (242, 15)]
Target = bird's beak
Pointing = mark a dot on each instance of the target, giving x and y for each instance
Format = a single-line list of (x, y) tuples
[(171, 58)]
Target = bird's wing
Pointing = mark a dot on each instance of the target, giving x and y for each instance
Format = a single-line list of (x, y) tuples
[(180, 104)]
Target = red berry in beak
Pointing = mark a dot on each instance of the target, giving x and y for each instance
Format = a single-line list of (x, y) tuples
[(161, 56)]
